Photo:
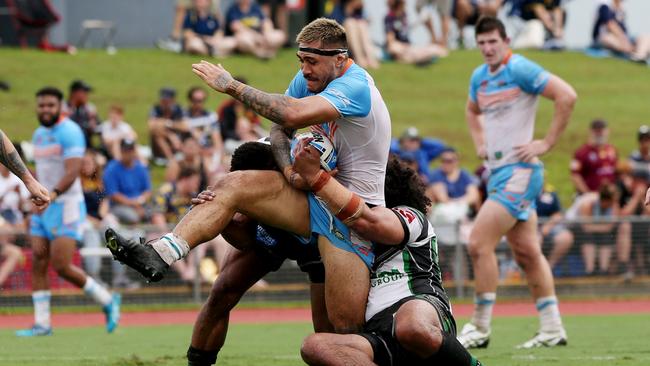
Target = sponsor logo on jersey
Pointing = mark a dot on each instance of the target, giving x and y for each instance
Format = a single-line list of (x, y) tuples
[(385, 277)]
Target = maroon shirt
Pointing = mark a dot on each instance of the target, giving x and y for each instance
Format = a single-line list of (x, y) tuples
[(595, 164)]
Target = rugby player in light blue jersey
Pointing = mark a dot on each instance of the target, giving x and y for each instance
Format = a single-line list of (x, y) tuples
[(59, 145), (500, 112)]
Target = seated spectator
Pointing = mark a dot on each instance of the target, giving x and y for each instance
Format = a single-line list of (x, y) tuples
[(467, 12), (424, 150), (80, 110), (397, 38), (611, 32), (170, 203), (596, 235), (203, 124), (191, 158), (443, 8), (202, 33), (253, 31), (450, 183), (544, 24), (349, 13), (594, 163), (114, 130), (278, 12), (173, 42), (14, 197), (166, 123), (555, 237), (128, 186)]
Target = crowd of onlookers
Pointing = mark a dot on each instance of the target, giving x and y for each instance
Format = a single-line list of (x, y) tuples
[(260, 28), (604, 231)]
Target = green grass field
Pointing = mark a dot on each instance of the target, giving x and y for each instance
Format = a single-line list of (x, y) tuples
[(432, 98), (593, 340)]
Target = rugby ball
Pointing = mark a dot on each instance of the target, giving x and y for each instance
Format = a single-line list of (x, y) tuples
[(322, 144)]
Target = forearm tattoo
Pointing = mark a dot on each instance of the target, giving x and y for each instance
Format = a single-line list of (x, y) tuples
[(281, 145), (9, 157), (271, 106)]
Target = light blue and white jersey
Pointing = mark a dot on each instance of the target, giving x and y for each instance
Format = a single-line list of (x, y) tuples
[(361, 135), (52, 146), (507, 99)]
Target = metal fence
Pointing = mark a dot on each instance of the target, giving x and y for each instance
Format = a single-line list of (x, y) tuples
[(617, 250)]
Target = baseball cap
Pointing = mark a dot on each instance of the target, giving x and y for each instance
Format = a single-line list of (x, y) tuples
[(127, 144), (80, 85), (644, 132), (598, 124), (407, 156), (411, 133), (167, 93)]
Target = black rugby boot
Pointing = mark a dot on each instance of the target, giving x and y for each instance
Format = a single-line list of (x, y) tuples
[(139, 256)]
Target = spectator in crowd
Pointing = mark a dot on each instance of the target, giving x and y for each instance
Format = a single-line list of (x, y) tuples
[(553, 233), (278, 12), (411, 160), (443, 8), (594, 163), (543, 24), (99, 218), (166, 123), (81, 111), (128, 186), (467, 12), (170, 203), (173, 42), (424, 150), (202, 33), (596, 235), (13, 198), (397, 38), (349, 13), (202, 123), (192, 158), (451, 184), (611, 32), (238, 123), (253, 31), (114, 130)]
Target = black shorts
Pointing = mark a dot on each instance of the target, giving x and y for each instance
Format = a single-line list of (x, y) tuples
[(271, 2), (277, 245), (380, 332), (599, 239)]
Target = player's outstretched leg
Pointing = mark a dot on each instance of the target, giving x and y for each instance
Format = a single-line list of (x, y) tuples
[(143, 258)]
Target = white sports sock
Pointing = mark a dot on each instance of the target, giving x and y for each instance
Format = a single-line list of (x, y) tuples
[(41, 301), (97, 291), (549, 314), (171, 248), (483, 304)]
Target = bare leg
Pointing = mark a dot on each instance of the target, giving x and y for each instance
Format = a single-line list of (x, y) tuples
[(642, 49), (62, 251), (368, 47), (624, 243), (336, 350), (40, 261), (604, 258), (318, 309), (562, 242), (418, 328), (355, 42), (12, 256), (589, 257)]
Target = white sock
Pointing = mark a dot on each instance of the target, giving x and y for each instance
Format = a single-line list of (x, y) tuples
[(483, 304), (41, 301), (549, 314), (171, 248), (98, 292)]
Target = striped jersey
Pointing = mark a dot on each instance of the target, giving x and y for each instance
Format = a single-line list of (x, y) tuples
[(507, 99), (408, 269)]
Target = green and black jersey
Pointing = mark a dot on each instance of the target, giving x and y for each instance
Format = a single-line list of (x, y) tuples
[(408, 269)]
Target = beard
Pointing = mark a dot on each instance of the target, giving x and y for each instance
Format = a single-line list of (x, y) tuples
[(48, 122)]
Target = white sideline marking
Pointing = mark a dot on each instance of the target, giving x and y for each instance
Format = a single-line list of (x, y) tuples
[(576, 358)]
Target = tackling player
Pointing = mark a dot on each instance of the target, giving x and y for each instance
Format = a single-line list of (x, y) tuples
[(59, 146), (500, 112), (9, 157), (338, 96), (408, 315)]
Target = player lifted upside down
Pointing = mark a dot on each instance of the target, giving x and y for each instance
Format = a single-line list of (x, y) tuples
[(501, 116), (59, 145), (409, 320), (340, 97)]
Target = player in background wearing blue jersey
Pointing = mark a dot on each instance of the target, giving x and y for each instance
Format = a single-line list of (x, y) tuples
[(500, 113), (59, 146)]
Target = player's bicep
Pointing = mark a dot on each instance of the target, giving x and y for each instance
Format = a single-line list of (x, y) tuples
[(313, 110), (472, 108), (72, 166), (556, 88)]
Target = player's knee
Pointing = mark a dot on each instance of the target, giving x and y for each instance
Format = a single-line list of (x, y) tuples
[(312, 347), (475, 248), (526, 258), (417, 337), (60, 267)]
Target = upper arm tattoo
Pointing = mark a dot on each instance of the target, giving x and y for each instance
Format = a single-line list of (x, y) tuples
[(281, 145), (9, 157)]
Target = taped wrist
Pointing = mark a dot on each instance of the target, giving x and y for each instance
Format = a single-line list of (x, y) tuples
[(320, 181), (197, 357), (351, 210)]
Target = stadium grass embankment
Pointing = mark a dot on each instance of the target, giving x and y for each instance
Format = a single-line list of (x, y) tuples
[(432, 98)]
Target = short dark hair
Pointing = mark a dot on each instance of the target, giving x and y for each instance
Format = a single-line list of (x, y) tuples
[(487, 24), (193, 90), (50, 90), (253, 155), (327, 31), (403, 187), (186, 172)]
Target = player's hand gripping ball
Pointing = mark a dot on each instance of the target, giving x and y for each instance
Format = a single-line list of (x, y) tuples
[(322, 144)]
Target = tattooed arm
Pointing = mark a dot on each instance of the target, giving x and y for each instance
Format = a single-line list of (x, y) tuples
[(293, 113), (281, 148), (9, 157)]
